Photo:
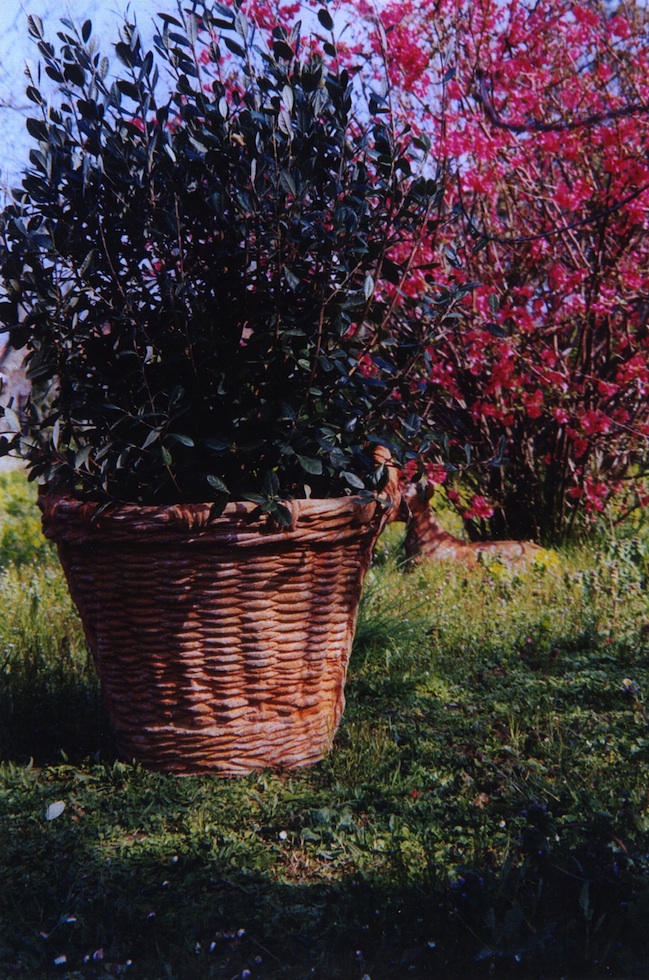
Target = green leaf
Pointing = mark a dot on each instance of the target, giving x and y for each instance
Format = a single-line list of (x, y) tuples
[(353, 481), (310, 80), (218, 445), (241, 24), (166, 456), (125, 54), (152, 437), (353, 300), (81, 457), (34, 95), (219, 506), (192, 27), (54, 74), (128, 88), (270, 484), (255, 498), (85, 265), (35, 26), (183, 440), (310, 465), (291, 279), (287, 182), (288, 98), (282, 515), (285, 122), (234, 47), (325, 19), (11, 420), (169, 19), (283, 50), (37, 129), (216, 483)]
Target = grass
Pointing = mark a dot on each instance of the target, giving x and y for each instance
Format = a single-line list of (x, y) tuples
[(484, 812)]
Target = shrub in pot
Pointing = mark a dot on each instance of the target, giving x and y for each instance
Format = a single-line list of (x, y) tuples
[(200, 266)]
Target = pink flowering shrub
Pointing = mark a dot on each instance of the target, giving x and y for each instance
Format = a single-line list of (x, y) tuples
[(538, 116)]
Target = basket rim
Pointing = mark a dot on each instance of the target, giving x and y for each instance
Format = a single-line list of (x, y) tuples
[(66, 517)]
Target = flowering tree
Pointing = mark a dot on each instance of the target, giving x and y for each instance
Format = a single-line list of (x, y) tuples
[(539, 114)]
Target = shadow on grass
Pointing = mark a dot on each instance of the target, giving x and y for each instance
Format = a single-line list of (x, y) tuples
[(192, 920), (155, 907), (49, 717), (125, 884)]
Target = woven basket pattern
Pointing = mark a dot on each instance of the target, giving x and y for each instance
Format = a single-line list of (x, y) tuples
[(222, 645)]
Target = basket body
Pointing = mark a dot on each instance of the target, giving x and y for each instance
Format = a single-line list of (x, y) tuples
[(221, 644)]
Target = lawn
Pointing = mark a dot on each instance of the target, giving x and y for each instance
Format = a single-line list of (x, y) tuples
[(484, 811)]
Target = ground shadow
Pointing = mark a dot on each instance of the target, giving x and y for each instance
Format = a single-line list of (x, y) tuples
[(49, 719), (192, 914)]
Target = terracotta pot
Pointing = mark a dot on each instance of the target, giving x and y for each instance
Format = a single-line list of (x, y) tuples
[(221, 643)]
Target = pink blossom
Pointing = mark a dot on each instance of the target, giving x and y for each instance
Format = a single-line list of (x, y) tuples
[(480, 508)]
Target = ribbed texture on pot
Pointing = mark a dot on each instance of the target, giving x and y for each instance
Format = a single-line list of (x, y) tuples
[(221, 644)]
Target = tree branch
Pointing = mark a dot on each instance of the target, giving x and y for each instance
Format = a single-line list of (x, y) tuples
[(593, 119)]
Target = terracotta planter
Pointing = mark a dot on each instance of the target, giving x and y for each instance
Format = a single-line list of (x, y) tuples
[(221, 644)]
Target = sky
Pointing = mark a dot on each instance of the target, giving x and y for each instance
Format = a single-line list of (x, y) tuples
[(16, 48)]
